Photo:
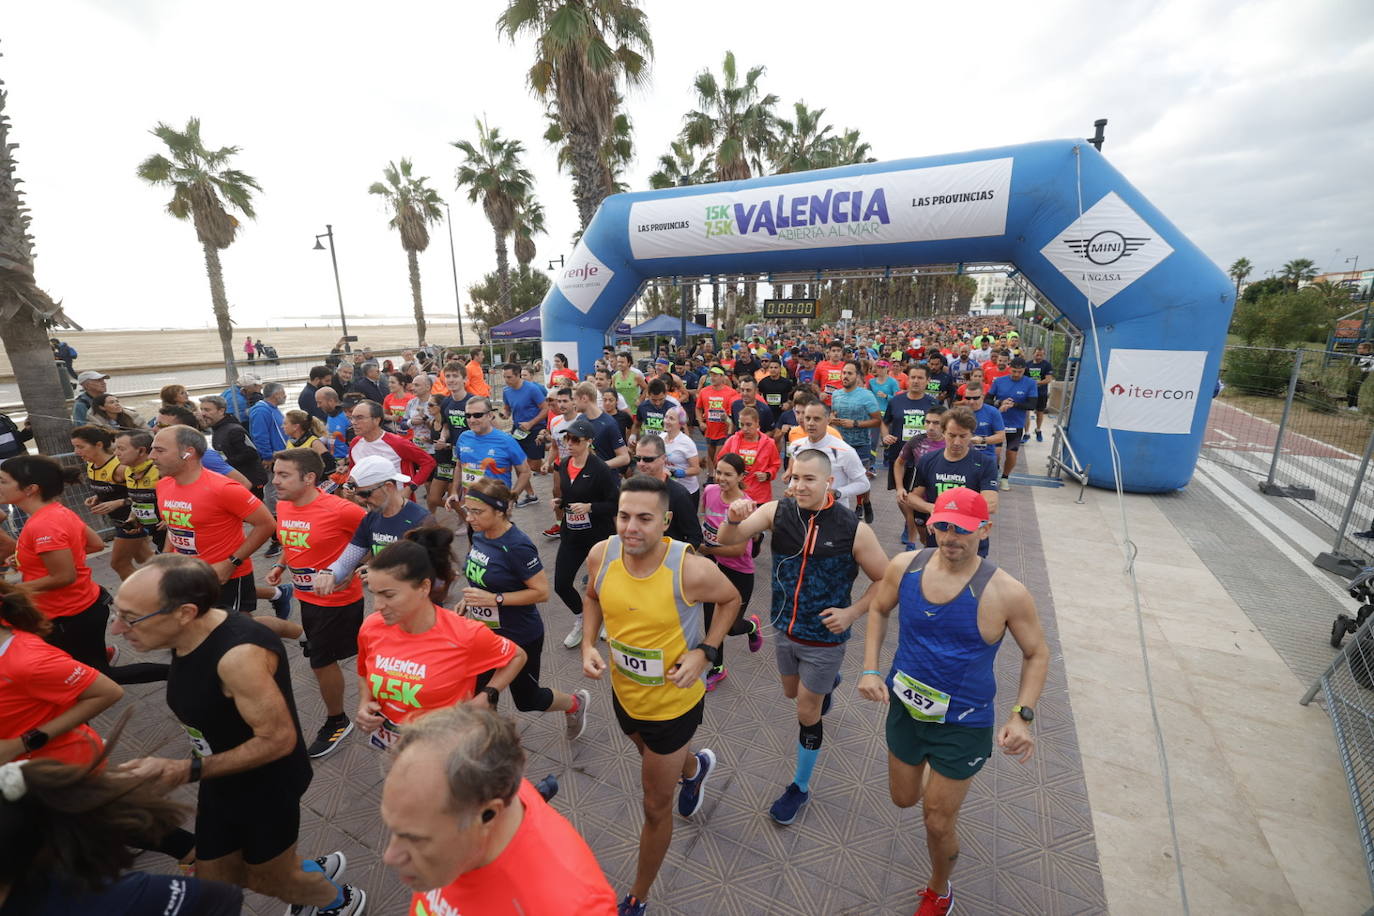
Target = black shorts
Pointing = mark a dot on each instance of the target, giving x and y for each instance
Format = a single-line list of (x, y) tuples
[(259, 826), (716, 442), (239, 595), (1014, 439), (1042, 399), (331, 633), (531, 446), (663, 737)]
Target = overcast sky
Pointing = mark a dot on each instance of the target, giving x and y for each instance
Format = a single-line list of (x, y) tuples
[(1248, 124)]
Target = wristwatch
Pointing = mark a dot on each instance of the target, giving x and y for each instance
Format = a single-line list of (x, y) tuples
[(196, 763), (500, 599), (711, 652), (33, 739), (492, 695), (234, 561), (1025, 712)]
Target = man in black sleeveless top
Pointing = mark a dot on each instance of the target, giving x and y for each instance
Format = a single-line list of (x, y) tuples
[(230, 688)]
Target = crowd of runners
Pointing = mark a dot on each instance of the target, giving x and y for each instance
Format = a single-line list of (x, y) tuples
[(405, 482)]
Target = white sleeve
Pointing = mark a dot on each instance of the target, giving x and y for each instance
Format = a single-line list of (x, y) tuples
[(855, 478)]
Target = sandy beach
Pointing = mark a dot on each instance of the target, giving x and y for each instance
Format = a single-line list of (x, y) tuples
[(112, 350)]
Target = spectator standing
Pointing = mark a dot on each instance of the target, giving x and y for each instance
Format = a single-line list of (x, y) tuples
[(92, 386), (307, 400)]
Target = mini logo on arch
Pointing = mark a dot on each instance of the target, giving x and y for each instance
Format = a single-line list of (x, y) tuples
[(1106, 247)]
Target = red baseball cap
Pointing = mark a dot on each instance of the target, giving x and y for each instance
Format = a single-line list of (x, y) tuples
[(961, 506)]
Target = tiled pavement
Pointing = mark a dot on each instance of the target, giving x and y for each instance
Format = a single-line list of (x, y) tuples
[(1027, 834)]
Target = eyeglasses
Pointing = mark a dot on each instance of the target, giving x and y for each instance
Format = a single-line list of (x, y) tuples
[(137, 620), (647, 459), (357, 491), (478, 415), (573, 439), (946, 526)]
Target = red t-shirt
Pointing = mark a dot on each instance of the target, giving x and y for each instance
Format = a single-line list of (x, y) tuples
[(562, 373), (312, 536), (714, 404), (411, 672), (760, 455), (830, 377), (39, 682), (205, 518), (55, 527), (991, 373), (547, 869)]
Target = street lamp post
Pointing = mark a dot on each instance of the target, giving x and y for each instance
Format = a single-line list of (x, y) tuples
[(453, 260), (333, 259)]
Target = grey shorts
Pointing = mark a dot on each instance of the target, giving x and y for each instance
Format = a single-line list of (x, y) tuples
[(817, 665)]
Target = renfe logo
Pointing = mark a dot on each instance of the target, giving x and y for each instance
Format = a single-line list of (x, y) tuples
[(585, 272), (582, 282)]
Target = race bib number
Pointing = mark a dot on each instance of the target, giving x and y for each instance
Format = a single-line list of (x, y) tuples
[(303, 578), (923, 702), (387, 734), (146, 513), (578, 520), (182, 540), (912, 423), (444, 471), (471, 475), (643, 666), (519, 433), (485, 615), (710, 533), (199, 746), (774, 400), (715, 416)]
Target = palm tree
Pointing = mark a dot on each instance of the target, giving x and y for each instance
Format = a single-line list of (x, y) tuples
[(680, 166), (617, 149), (584, 50), (733, 118), (414, 208), (1239, 271), (529, 222), (1298, 270), (493, 174), (27, 311), (803, 143), (850, 149), (203, 187)]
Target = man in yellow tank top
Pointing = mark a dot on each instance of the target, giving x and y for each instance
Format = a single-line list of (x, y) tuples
[(648, 589)]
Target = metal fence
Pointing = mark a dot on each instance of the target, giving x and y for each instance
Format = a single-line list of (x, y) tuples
[(1347, 689), (1295, 420)]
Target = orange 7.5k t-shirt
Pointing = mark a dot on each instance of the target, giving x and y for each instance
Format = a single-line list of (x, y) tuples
[(312, 537), (39, 682), (714, 404), (205, 518), (55, 527), (547, 869)]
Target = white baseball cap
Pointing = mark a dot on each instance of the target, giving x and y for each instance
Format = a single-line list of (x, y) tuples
[(375, 469)]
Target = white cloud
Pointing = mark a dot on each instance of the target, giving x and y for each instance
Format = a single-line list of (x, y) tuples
[(1247, 124)]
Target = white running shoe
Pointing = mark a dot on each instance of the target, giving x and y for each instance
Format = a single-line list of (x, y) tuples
[(574, 637)]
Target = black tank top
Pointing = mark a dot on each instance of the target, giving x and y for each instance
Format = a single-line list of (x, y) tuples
[(196, 697)]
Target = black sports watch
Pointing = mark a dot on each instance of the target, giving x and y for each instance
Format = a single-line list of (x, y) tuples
[(234, 561), (1025, 712), (500, 599), (712, 653), (492, 695), (33, 739)]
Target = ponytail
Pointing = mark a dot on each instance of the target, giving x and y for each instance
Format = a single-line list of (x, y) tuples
[(18, 613)]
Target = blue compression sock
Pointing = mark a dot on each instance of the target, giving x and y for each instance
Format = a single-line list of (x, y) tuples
[(806, 762)]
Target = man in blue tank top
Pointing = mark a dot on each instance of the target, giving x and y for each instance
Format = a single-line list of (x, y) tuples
[(953, 610)]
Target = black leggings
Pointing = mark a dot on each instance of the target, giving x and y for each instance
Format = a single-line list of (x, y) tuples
[(572, 553), (525, 690), (744, 584), (82, 636)]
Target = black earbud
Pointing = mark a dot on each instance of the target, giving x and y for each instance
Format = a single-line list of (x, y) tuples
[(488, 816)]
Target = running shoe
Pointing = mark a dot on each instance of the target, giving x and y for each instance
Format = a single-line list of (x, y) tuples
[(273, 548), (547, 787), (112, 652), (789, 804), (714, 677), (330, 737), (281, 605), (907, 544), (1366, 535), (574, 637), (1006, 484), (333, 865), (554, 531), (693, 791), (631, 906), (756, 637), (1039, 436), (932, 904), (529, 499), (825, 703), (577, 721)]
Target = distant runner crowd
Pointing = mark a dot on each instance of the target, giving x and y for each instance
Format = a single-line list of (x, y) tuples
[(403, 480)]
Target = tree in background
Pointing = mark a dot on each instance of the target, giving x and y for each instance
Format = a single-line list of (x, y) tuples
[(733, 119), (1298, 271), (680, 166), (1239, 271), (203, 188), (27, 311), (616, 154), (584, 51), (802, 143), (851, 149), (489, 306), (414, 208), (492, 173), (529, 222)]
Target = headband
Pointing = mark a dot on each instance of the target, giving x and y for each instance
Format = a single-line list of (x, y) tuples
[(500, 505)]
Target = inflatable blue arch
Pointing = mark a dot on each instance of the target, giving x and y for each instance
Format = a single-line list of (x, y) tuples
[(1057, 210)]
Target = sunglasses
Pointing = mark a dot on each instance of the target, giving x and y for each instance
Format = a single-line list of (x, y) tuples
[(647, 459), (477, 416), (947, 526), (354, 488)]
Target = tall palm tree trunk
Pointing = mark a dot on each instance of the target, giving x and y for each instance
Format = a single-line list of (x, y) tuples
[(503, 268), (414, 262), (221, 306), (44, 394), (589, 186)]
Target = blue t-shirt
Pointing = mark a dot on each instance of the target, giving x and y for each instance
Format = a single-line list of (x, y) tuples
[(494, 455), (990, 422), (859, 404), (502, 565), (376, 531), (806, 376), (338, 427), (525, 402), (883, 389), (1022, 392), (214, 461)]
